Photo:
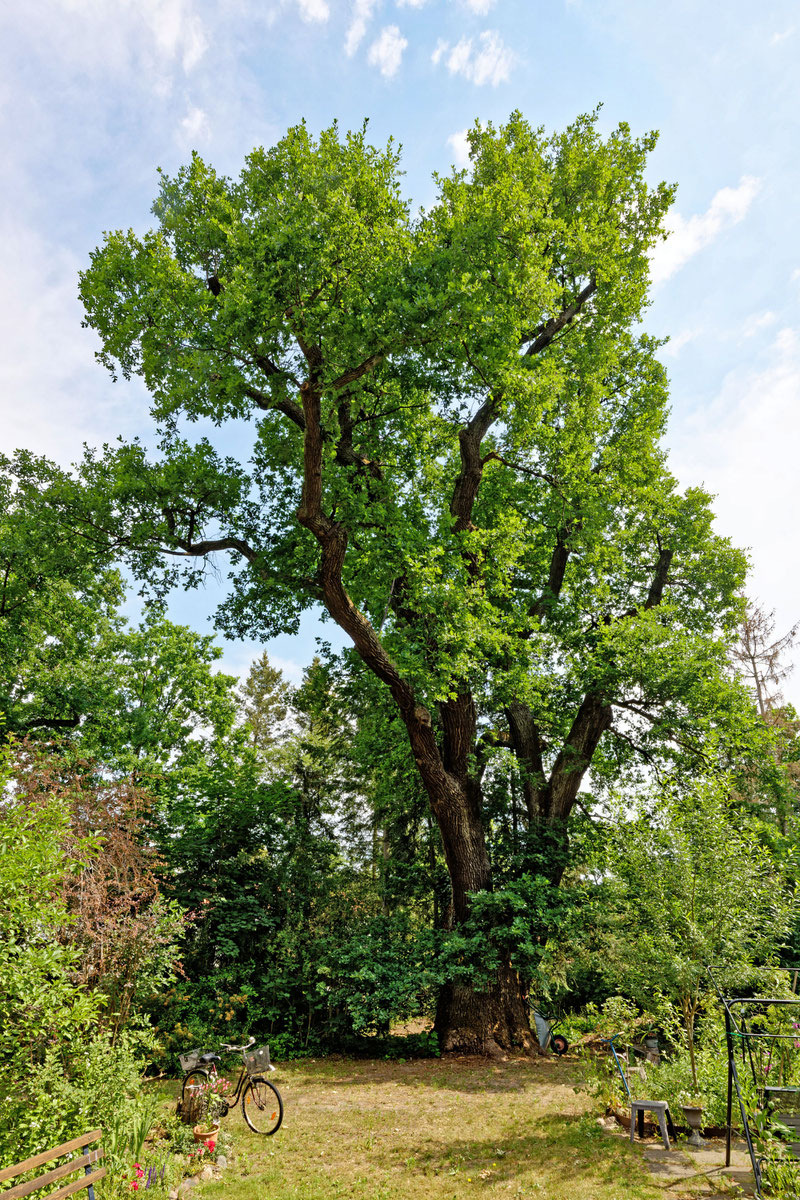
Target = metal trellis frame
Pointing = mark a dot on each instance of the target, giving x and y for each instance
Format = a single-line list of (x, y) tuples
[(740, 1034)]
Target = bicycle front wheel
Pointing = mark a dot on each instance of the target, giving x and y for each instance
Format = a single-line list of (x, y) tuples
[(262, 1106), (195, 1096)]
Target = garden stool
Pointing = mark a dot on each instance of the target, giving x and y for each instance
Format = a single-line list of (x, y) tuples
[(659, 1107)]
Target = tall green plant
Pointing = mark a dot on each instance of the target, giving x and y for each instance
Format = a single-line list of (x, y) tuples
[(697, 887)]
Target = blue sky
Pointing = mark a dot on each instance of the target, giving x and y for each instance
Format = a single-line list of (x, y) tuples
[(95, 94)]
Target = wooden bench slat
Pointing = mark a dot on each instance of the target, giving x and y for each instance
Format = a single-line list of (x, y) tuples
[(77, 1185), (47, 1156), (68, 1168)]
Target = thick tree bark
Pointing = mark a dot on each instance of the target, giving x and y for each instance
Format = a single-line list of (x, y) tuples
[(468, 1020)]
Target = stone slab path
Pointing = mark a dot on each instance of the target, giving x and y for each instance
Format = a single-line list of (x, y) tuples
[(685, 1172)]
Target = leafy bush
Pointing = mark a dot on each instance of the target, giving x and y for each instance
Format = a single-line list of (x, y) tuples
[(97, 1085)]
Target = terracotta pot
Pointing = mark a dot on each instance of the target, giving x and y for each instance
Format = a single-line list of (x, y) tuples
[(203, 1135)]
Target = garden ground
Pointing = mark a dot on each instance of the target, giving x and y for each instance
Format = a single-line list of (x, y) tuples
[(434, 1130)]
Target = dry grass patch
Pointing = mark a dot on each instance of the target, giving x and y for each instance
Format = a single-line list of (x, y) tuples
[(434, 1130)]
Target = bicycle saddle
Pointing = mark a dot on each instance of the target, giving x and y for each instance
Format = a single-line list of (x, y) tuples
[(207, 1058)]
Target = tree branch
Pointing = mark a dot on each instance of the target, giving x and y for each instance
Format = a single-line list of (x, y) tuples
[(465, 489), (660, 578), (288, 407), (355, 373), (543, 334)]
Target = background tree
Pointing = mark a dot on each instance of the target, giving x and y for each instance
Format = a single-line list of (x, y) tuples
[(58, 610), (265, 697), (456, 452), (761, 659), (699, 889)]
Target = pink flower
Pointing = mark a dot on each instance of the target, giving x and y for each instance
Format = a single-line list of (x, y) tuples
[(135, 1185), (211, 1145)]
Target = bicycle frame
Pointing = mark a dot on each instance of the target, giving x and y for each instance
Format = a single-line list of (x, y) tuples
[(231, 1100)]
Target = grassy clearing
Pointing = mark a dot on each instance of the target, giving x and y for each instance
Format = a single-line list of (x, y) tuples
[(432, 1130)]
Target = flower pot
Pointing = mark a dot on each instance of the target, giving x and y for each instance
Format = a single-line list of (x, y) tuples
[(694, 1119), (651, 1042), (202, 1135)]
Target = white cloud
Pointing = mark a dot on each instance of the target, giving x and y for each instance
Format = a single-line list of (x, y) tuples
[(152, 33), (481, 7), (460, 146), (239, 658), (362, 14), (411, 3), (762, 321), (678, 341), (386, 51), (777, 38), (688, 236), (178, 31), (743, 446), (194, 127), (441, 48), (55, 396), (488, 62), (313, 10)]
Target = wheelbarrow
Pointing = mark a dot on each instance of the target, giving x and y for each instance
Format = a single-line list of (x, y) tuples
[(549, 1040)]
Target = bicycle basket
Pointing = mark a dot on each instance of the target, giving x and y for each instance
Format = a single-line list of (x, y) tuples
[(257, 1060), (190, 1060)]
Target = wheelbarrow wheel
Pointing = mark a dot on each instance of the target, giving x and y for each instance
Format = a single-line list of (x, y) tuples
[(559, 1044)]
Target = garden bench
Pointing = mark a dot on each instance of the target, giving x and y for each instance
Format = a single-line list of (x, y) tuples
[(85, 1160)]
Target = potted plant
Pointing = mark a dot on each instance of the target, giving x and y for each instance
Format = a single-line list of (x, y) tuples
[(692, 1105)]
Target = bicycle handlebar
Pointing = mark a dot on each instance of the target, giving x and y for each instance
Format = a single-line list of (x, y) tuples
[(235, 1049)]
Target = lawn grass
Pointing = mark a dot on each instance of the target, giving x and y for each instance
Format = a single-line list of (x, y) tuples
[(435, 1130)]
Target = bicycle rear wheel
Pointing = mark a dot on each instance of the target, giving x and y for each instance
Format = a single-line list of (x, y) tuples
[(262, 1106), (196, 1096)]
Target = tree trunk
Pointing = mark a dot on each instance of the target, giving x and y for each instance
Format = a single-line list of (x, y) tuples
[(490, 1022), (470, 1020)]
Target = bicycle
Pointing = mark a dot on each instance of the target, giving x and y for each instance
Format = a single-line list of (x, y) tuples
[(204, 1088)]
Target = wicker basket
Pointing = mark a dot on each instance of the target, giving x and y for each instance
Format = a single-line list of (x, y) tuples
[(257, 1060), (190, 1060)]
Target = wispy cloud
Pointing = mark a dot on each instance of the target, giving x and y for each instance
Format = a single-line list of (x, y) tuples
[(481, 7), (55, 395), (678, 340), (743, 445), (153, 34), (460, 146), (483, 60), (362, 15), (777, 38), (313, 11), (194, 128), (386, 52), (755, 324), (689, 236)]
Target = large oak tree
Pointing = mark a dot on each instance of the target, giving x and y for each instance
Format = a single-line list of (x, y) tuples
[(443, 428)]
